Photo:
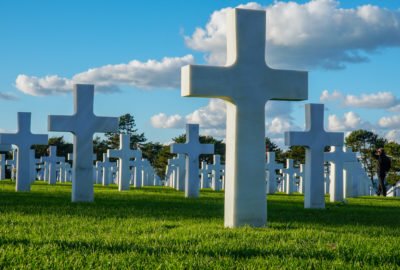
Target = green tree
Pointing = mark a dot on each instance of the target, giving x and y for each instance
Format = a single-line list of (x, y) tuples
[(270, 146), (392, 149), (297, 153), (126, 126), (100, 146), (63, 147), (365, 142)]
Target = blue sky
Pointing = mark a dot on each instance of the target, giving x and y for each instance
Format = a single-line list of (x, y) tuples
[(350, 48)]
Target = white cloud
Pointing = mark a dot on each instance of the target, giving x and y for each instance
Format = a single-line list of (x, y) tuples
[(326, 96), (390, 121), (162, 120), (349, 121), (393, 135), (212, 119), (380, 100), (108, 79), (316, 34)]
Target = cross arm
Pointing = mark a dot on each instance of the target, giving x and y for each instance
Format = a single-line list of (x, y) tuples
[(288, 84), (111, 153), (179, 148), (61, 123), (298, 138), (207, 149), (106, 124), (7, 138), (206, 81)]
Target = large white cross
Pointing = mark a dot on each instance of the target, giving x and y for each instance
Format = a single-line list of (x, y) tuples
[(314, 138), (82, 124), (337, 158), (124, 154), (246, 83), (271, 166), (23, 139), (52, 161), (193, 149)]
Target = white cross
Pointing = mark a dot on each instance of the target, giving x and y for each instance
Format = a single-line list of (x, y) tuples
[(350, 181), (300, 175), (193, 149), (23, 139), (2, 166), (215, 170), (178, 164), (337, 158), (288, 174), (272, 166), (314, 138), (82, 124), (124, 154), (137, 164), (107, 173), (246, 83), (52, 161), (204, 180)]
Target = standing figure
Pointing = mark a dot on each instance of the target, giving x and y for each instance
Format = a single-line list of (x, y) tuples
[(383, 168)]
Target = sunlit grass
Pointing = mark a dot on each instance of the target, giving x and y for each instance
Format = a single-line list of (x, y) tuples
[(157, 228)]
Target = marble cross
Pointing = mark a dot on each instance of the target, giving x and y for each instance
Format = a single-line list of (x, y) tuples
[(107, 173), (82, 124), (23, 139), (271, 166), (314, 138), (204, 179), (137, 164), (178, 163), (193, 149), (288, 176), (52, 159), (245, 83), (300, 175), (215, 170), (124, 154), (337, 157)]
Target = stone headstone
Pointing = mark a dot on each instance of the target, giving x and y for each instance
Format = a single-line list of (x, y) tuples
[(2, 166), (82, 124), (215, 170), (23, 139), (246, 83), (204, 179)]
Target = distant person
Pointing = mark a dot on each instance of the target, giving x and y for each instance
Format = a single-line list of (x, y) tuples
[(383, 168)]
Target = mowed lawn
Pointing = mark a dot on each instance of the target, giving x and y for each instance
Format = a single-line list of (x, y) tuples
[(157, 228)]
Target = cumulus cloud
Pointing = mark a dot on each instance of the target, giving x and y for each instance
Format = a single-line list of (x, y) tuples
[(108, 79), (315, 34), (326, 96), (349, 121), (162, 120), (390, 121), (212, 118), (380, 100)]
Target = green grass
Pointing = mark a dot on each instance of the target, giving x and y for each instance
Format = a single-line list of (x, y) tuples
[(156, 228)]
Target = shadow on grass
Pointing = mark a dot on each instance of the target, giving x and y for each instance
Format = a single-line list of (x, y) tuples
[(164, 203)]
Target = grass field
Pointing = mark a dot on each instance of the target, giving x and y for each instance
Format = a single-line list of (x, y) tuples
[(156, 228)]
